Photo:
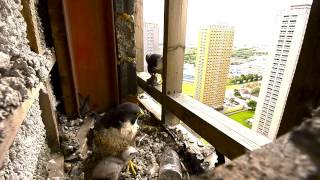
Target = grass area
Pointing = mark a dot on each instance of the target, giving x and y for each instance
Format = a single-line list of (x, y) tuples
[(255, 94), (239, 86), (241, 117), (236, 86), (188, 89)]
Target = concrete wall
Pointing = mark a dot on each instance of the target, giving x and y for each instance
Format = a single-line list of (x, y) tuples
[(20, 70), (27, 156)]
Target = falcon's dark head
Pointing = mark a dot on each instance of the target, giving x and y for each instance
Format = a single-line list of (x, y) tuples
[(122, 113), (154, 62)]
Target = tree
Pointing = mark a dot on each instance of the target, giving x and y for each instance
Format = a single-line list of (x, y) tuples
[(244, 53), (236, 93), (250, 77), (243, 77), (252, 105), (255, 91), (190, 55)]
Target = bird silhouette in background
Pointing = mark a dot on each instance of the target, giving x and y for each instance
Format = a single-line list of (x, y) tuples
[(155, 65), (110, 167), (115, 132)]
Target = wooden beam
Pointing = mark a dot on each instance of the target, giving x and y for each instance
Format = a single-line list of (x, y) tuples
[(138, 17), (30, 15), (174, 45), (13, 122), (46, 97), (304, 93), (91, 38), (49, 118), (229, 137), (150, 104), (57, 22), (175, 20), (155, 92)]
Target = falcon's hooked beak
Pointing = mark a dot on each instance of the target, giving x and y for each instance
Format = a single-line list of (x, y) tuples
[(140, 115)]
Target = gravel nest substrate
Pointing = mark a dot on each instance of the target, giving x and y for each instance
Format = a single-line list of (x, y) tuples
[(150, 147), (151, 142)]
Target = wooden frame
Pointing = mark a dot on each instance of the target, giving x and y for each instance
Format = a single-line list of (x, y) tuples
[(33, 34), (49, 116), (138, 16), (175, 20), (229, 137), (46, 96)]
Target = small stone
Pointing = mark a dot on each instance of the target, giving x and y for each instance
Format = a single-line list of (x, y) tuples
[(67, 166), (89, 153), (200, 144), (4, 62), (164, 134), (191, 140)]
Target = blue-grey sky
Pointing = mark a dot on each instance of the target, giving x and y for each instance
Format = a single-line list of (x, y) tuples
[(253, 20)]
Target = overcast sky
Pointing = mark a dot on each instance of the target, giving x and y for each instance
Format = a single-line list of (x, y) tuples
[(253, 20)]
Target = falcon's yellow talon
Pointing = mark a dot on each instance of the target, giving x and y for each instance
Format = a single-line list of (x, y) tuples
[(131, 166)]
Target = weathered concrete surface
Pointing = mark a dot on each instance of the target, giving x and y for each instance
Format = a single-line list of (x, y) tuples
[(125, 37), (26, 158), (20, 68), (126, 50), (295, 155), (125, 6)]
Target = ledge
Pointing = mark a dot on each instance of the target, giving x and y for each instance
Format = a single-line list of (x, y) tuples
[(12, 123), (155, 92), (229, 137)]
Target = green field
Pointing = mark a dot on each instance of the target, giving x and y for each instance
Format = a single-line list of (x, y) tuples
[(239, 86), (188, 89), (241, 117), (232, 87)]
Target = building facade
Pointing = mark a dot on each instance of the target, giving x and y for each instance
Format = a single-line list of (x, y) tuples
[(290, 28), (151, 38), (212, 64)]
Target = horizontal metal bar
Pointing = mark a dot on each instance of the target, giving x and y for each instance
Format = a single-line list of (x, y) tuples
[(229, 137)]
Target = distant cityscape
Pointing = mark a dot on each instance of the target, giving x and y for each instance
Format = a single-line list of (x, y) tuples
[(248, 84)]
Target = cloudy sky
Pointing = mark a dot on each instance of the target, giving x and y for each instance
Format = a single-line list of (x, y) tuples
[(253, 20)]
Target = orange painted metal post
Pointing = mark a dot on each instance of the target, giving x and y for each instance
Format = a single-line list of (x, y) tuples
[(91, 39)]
